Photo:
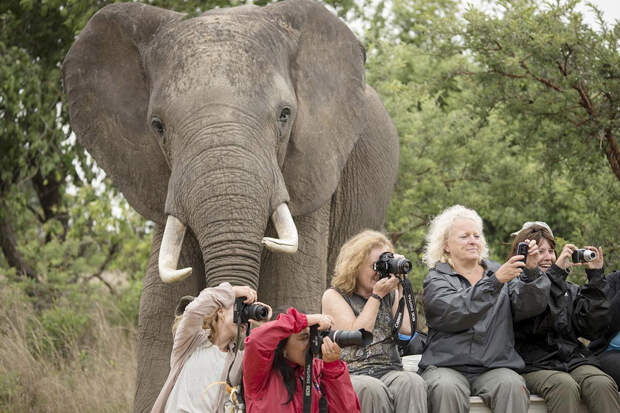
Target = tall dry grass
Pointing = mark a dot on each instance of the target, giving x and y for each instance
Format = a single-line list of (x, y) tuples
[(90, 371)]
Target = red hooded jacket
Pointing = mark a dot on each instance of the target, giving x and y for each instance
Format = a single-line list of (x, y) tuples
[(264, 386)]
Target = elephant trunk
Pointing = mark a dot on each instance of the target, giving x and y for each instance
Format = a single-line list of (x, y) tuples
[(226, 195)]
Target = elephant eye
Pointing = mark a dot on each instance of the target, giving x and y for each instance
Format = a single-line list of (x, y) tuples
[(158, 126), (284, 115)]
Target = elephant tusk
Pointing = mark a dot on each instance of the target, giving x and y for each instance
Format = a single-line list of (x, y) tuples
[(287, 232), (170, 250)]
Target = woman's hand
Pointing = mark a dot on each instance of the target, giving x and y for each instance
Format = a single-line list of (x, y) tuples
[(257, 323), (245, 291), (533, 255), (596, 263), (511, 269), (385, 285), (564, 260), (331, 351), (322, 320)]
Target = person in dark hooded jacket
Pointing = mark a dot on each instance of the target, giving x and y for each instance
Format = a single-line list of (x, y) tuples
[(558, 366), (607, 347)]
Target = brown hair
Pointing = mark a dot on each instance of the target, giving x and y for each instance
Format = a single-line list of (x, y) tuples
[(536, 233), (353, 254)]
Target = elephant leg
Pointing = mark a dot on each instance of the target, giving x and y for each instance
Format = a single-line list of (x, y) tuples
[(298, 280), (363, 195), (157, 304)]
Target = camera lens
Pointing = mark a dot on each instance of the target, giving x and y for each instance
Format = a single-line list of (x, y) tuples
[(257, 312), (345, 338), (399, 266)]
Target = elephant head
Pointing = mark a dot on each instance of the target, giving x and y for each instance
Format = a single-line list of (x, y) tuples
[(217, 123)]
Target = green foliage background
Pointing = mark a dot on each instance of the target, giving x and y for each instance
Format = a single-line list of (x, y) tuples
[(512, 113), (478, 129)]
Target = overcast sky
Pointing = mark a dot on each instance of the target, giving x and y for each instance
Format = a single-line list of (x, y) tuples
[(610, 8)]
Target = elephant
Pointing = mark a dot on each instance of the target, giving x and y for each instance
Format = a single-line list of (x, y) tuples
[(248, 135)]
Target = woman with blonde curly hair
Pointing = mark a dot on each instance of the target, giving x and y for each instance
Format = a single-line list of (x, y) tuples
[(470, 304), (203, 351), (359, 298)]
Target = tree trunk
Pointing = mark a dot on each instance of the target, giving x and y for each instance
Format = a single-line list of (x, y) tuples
[(48, 192), (9, 248), (613, 153)]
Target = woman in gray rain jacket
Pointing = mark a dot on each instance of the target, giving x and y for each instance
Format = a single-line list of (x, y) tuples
[(470, 304)]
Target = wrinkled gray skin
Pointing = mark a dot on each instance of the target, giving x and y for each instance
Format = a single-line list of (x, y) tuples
[(224, 154)]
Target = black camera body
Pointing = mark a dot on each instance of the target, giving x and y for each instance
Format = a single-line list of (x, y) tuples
[(583, 255), (522, 249), (387, 264), (242, 312), (344, 338)]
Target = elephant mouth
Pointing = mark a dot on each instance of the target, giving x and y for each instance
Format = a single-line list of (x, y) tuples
[(174, 233)]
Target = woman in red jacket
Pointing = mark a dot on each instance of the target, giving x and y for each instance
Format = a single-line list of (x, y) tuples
[(273, 367)]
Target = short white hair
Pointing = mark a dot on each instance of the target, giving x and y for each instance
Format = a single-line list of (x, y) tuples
[(439, 231)]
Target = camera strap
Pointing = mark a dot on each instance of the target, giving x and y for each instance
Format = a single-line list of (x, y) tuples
[(409, 300), (239, 396), (307, 385)]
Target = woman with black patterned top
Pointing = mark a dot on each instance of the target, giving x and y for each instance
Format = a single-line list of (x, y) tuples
[(360, 299)]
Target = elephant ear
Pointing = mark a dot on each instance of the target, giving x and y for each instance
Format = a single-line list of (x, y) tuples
[(328, 75), (108, 93)]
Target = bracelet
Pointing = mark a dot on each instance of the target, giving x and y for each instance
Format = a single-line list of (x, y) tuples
[(377, 296)]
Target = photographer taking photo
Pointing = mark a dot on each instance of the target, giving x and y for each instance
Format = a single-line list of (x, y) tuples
[(558, 366), (470, 304), (360, 298), (203, 353), (273, 368)]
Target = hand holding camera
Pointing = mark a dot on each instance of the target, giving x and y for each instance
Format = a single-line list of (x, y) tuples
[(565, 259), (330, 351), (244, 291), (391, 267), (592, 257), (390, 264), (528, 249), (385, 285), (339, 338), (243, 312), (323, 321), (510, 269)]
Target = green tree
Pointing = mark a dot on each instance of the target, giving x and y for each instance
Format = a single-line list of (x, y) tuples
[(457, 148), (544, 65)]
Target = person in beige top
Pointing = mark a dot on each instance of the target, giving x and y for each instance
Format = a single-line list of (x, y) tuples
[(203, 351)]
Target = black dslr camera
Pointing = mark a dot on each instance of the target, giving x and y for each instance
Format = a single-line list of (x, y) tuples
[(243, 312), (583, 255), (344, 338), (387, 264)]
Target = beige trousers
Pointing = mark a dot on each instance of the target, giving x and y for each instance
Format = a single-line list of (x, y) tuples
[(395, 392), (502, 390)]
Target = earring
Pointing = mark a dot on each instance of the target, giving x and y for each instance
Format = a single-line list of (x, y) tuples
[(285, 354)]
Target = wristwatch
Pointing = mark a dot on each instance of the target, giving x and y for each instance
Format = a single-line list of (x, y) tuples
[(377, 296)]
